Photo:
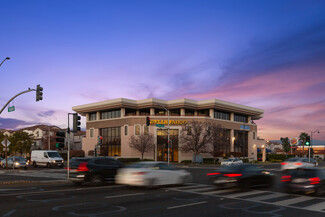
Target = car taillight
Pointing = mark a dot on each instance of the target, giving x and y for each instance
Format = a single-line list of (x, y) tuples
[(212, 174), (284, 163), (298, 163), (285, 178), (314, 181), (139, 173), (82, 167), (233, 175)]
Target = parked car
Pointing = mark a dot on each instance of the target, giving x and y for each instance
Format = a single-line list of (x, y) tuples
[(241, 175), (152, 174), (231, 161), (93, 170), (294, 163), (305, 180), (15, 163), (46, 158)]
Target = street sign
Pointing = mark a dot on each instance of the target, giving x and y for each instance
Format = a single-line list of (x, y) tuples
[(4, 142), (11, 108), (160, 125)]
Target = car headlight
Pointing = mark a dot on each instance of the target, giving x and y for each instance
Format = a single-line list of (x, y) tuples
[(53, 161), (17, 163)]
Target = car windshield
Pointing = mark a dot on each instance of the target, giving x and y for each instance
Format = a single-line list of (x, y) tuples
[(229, 160), (53, 154)]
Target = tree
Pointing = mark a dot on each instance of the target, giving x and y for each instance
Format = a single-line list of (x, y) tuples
[(142, 143), (21, 142), (196, 137), (303, 138), (285, 144)]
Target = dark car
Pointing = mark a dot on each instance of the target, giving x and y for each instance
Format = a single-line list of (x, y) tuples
[(305, 180), (243, 175), (93, 170)]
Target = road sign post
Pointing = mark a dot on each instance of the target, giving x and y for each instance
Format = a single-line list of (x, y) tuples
[(6, 143)]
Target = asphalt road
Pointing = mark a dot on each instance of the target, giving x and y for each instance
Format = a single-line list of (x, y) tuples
[(199, 198)]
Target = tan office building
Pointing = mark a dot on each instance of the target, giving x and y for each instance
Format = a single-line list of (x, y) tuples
[(117, 120)]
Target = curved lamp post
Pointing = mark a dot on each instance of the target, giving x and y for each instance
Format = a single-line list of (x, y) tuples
[(311, 142), (7, 58)]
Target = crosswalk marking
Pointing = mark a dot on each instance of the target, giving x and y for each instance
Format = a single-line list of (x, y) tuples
[(246, 193), (203, 189), (317, 207), (221, 191), (293, 200), (266, 197), (233, 193)]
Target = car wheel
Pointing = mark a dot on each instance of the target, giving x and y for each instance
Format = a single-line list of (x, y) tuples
[(48, 165), (34, 164), (96, 180), (152, 183)]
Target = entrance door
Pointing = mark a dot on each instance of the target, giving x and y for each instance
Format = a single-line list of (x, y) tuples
[(162, 148)]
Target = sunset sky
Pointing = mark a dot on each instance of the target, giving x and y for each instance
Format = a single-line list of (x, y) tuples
[(265, 54)]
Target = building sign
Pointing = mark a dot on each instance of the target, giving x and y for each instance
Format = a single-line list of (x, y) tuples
[(294, 141), (171, 122), (244, 127)]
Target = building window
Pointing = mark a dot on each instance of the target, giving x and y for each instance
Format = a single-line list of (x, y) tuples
[(145, 130), (254, 135), (92, 116), (137, 130), (111, 145), (240, 118), (125, 130), (91, 132), (222, 115), (110, 114)]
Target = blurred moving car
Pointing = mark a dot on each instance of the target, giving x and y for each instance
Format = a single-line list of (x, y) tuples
[(305, 180), (94, 170), (293, 163), (231, 161), (241, 175), (152, 174), (15, 163)]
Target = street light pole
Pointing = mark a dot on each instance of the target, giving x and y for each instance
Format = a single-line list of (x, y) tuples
[(311, 142), (7, 58)]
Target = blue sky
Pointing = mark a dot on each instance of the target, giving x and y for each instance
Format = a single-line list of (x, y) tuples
[(265, 54)]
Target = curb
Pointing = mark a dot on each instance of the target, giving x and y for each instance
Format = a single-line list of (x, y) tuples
[(30, 182)]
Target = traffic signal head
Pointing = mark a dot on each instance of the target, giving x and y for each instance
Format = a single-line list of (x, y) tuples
[(100, 140), (148, 121), (307, 143), (60, 137), (39, 93), (76, 122)]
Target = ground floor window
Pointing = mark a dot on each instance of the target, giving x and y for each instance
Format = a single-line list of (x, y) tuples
[(221, 146), (162, 147), (111, 145), (241, 143)]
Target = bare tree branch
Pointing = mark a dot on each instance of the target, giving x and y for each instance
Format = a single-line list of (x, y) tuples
[(142, 143)]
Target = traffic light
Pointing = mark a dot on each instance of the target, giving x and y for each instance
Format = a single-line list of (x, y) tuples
[(100, 140), (148, 121), (60, 137), (76, 122), (307, 143), (39, 93)]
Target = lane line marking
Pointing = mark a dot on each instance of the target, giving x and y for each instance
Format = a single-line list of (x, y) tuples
[(190, 204), (124, 195)]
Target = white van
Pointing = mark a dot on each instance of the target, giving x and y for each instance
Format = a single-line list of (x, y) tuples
[(46, 158)]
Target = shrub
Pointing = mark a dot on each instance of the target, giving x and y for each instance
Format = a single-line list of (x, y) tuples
[(208, 160), (186, 162)]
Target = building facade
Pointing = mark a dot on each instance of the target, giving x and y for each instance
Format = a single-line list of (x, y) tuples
[(117, 120)]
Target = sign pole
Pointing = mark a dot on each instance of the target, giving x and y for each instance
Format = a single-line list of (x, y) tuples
[(6, 154)]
